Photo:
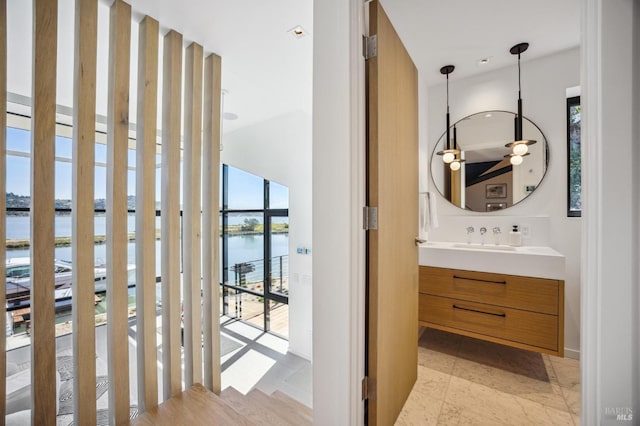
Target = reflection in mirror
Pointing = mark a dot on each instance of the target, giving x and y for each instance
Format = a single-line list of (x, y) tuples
[(487, 181)]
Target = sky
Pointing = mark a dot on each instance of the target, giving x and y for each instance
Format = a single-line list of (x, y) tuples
[(245, 189)]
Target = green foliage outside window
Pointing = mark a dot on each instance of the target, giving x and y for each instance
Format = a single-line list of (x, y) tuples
[(575, 161)]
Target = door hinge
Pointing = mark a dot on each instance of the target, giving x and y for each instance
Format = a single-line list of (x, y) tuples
[(370, 218), (368, 388), (370, 46)]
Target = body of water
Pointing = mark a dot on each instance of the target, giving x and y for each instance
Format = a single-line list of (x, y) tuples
[(242, 248), (19, 227)]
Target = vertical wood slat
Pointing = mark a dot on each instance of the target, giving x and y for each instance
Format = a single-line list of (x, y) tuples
[(43, 356), (170, 214), (3, 201), (117, 238), (83, 160), (146, 214), (191, 215), (211, 222)]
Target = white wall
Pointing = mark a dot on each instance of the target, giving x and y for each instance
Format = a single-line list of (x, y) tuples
[(338, 196), (280, 150), (611, 324), (544, 84)]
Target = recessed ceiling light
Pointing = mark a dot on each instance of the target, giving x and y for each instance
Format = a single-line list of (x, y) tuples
[(230, 116), (484, 61), (488, 115), (297, 31)]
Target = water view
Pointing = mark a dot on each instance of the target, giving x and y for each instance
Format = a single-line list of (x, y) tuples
[(242, 248)]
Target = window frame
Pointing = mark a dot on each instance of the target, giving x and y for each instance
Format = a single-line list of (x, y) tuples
[(571, 102), (267, 213)]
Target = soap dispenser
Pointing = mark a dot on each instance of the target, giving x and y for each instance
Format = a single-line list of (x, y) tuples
[(515, 237)]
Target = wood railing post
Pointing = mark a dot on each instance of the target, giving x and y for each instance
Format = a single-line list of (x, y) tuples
[(146, 214), (170, 226), (117, 234), (210, 222), (191, 236), (43, 133), (83, 194)]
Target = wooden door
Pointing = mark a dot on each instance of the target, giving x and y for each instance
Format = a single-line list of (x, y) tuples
[(392, 179)]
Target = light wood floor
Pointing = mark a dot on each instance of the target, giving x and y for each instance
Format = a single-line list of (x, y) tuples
[(198, 406), (276, 409), (471, 382)]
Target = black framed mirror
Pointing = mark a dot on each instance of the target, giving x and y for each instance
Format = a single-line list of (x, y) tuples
[(487, 180)]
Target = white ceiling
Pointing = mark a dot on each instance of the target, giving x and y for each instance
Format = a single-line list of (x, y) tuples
[(266, 71), (460, 32)]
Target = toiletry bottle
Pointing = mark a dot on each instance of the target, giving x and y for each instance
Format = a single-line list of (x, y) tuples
[(515, 237)]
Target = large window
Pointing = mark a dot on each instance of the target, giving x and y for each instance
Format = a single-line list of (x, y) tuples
[(254, 240), (18, 199), (255, 250), (574, 160)]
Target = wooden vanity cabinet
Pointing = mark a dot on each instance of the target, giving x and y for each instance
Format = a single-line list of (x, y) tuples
[(523, 312)]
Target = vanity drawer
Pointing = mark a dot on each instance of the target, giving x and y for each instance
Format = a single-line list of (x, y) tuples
[(530, 328), (531, 294)]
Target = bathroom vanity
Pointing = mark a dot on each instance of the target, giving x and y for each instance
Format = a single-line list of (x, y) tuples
[(472, 291)]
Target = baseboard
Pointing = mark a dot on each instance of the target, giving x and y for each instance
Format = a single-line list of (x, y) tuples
[(300, 354), (571, 353), (421, 331)]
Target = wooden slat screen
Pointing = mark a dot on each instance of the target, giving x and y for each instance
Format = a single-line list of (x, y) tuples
[(191, 215), (83, 169), (170, 214), (43, 132), (117, 238), (3, 200), (202, 117), (210, 222), (146, 214)]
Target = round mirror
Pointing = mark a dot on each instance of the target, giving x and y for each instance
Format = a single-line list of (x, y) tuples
[(489, 179)]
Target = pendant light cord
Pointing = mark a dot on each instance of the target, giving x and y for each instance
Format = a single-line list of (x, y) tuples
[(519, 86), (446, 70), (448, 122), (447, 93), (519, 118)]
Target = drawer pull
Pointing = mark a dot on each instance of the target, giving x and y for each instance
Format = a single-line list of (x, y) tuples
[(479, 312), (455, 277)]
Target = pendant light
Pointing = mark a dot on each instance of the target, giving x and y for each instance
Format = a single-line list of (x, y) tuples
[(457, 161), (450, 155), (520, 146)]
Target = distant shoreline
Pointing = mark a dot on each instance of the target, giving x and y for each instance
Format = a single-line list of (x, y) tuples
[(22, 244)]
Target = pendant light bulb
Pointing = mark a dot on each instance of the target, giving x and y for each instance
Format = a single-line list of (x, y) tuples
[(516, 160), (520, 149), (448, 157), (455, 165)]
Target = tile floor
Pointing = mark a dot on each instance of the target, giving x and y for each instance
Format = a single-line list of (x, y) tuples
[(260, 360), (465, 381)]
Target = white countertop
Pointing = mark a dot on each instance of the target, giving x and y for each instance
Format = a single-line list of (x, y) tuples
[(530, 261)]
